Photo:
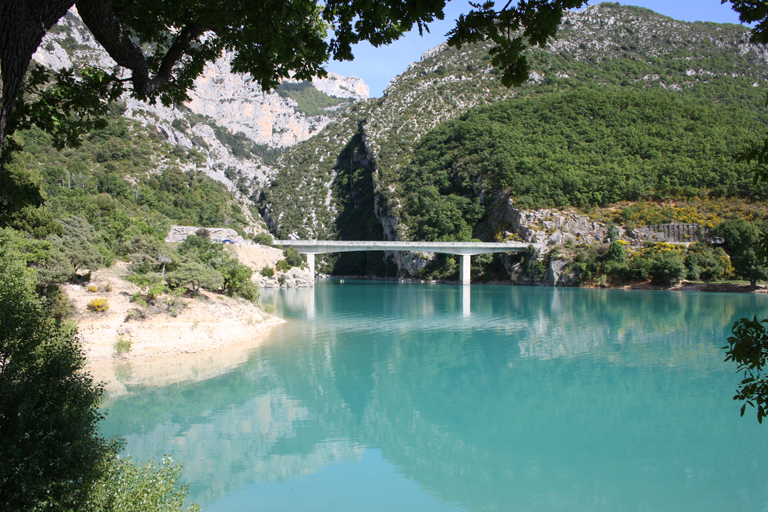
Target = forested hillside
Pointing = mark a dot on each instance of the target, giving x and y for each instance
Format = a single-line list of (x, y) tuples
[(586, 147), (126, 174), (625, 105)]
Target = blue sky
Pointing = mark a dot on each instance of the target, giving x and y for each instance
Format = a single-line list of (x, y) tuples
[(377, 66)]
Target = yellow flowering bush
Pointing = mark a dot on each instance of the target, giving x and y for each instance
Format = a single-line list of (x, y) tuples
[(98, 305)]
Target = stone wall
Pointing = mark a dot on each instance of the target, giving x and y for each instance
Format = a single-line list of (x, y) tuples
[(180, 233)]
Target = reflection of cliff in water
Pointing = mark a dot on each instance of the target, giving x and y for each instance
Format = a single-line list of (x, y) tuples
[(535, 387)]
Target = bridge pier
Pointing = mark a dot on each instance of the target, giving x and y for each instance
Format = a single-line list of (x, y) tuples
[(464, 270), (311, 263)]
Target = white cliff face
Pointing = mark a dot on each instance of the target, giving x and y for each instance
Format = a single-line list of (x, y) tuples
[(232, 100), (342, 86), (52, 56), (228, 100), (239, 104)]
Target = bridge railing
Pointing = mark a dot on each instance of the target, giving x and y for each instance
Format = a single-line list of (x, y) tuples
[(405, 245)]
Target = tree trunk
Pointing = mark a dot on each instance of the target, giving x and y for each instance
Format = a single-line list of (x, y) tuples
[(108, 30), (23, 24)]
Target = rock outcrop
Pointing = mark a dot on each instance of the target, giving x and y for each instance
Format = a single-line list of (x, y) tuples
[(220, 100), (258, 257), (342, 86), (180, 233)]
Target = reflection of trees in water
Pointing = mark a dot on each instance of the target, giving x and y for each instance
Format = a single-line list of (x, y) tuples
[(463, 406), (256, 441), (567, 323), (476, 431)]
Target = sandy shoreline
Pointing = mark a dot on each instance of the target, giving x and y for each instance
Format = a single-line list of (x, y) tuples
[(206, 337), (118, 375)]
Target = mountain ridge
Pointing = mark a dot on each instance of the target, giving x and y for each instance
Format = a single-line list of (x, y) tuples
[(604, 45)]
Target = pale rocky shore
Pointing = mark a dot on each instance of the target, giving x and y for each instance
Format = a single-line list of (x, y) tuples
[(259, 256), (206, 322)]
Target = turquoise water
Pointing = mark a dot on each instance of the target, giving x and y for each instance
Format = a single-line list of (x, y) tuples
[(409, 397)]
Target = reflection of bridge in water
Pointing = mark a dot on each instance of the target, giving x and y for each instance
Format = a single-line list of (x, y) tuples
[(463, 249)]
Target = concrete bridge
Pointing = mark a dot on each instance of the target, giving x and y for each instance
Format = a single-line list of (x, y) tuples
[(464, 249)]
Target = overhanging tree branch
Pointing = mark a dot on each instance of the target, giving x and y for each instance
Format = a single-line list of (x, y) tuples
[(109, 31)]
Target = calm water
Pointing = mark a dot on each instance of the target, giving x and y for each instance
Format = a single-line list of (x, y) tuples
[(407, 397)]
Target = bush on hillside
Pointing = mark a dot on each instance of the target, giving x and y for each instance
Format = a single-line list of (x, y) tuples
[(98, 305), (263, 239)]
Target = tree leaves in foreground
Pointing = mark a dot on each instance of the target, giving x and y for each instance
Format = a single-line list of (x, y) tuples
[(748, 347), (52, 457), (130, 487), (50, 448)]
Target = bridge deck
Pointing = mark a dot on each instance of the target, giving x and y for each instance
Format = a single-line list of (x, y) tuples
[(465, 249), (470, 248)]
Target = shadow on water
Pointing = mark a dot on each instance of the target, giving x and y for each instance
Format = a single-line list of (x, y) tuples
[(539, 399)]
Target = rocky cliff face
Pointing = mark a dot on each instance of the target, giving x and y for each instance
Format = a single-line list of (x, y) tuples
[(546, 225), (222, 104), (342, 86)]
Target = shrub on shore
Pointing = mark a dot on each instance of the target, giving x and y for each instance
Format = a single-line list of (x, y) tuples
[(98, 305)]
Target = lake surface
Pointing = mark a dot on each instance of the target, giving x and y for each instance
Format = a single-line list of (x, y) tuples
[(410, 397)]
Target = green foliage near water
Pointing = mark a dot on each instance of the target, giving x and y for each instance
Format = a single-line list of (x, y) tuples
[(741, 241), (292, 259), (197, 263), (661, 263), (748, 347), (50, 447), (52, 456), (194, 276), (128, 486)]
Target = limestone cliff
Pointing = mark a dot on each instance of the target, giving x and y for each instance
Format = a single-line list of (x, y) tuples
[(229, 119)]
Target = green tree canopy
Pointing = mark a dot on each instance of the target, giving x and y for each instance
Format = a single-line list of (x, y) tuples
[(78, 244), (50, 448), (740, 241), (195, 275)]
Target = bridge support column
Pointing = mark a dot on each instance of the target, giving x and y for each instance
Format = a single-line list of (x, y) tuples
[(464, 272), (311, 263)]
